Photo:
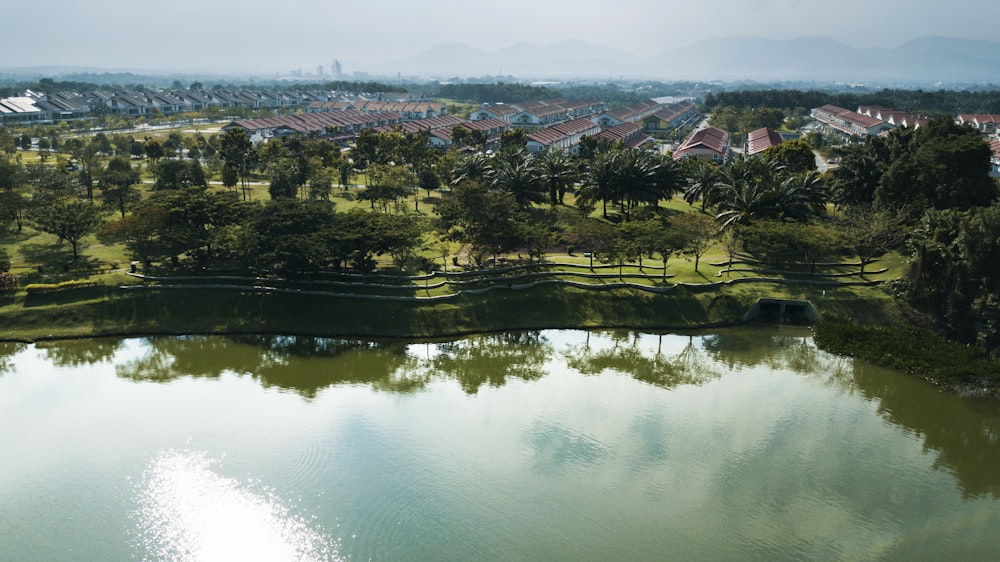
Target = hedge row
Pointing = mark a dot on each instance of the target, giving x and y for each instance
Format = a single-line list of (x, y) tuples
[(47, 288)]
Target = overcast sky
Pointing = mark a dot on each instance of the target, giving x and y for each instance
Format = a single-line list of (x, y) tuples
[(279, 35)]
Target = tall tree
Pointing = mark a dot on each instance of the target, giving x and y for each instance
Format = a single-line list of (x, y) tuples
[(238, 153), (557, 172), (516, 174), (117, 180)]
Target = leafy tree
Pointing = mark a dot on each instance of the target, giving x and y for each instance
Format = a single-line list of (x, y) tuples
[(557, 172), (284, 180), (178, 174), (153, 149), (857, 177), (795, 156), (634, 239), (69, 220), (238, 154), (139, 231), (12, 200), (946, 166), (198, 220), (955, 273), (489, 220), (592, 236), (387, 183), (695, 232), (870, 233), (117, 180), (294, 236)]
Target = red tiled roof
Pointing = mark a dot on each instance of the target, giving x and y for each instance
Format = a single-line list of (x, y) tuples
[(762, 139), (551, 135), (318, 122), (628, 133), (710, 137)]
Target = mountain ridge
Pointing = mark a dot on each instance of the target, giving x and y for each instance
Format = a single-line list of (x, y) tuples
[(931, 58)]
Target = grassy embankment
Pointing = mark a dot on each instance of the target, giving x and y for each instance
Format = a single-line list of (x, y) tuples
[(37, 257)]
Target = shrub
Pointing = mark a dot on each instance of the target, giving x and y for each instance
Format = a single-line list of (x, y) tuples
[(907, 349), (48, 288), (8, 282)]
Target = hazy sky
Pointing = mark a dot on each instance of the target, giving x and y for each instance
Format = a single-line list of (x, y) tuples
[(272, 35)]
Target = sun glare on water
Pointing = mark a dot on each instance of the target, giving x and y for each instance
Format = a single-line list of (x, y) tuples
[(187, 512)]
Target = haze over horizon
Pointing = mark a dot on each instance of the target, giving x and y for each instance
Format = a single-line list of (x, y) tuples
[(253, 36)]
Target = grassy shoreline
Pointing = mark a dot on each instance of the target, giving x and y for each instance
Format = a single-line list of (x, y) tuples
[(862, 322), (110, 311)]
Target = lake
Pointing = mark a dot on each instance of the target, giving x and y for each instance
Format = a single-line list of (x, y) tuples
[(745, 443)]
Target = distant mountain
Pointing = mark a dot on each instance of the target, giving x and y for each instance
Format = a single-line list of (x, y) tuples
[(568, 58), (926, 59)]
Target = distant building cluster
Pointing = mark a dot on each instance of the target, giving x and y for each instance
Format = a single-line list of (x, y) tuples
[(550, 123), (36, 108), (553, 123), (988, 125), (877, 120)]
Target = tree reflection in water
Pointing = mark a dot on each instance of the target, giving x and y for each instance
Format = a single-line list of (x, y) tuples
[(492, 359), (77, 353), (304, 365), (8, 350), (625, 355), (964, 434)]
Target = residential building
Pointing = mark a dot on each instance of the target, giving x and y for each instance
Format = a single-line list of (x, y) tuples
[(673, 116), (562, 135), (850, 122), (760, 140), (630, 135), (710, 143)]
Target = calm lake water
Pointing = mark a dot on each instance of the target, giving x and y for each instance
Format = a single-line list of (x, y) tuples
[(554, 445)]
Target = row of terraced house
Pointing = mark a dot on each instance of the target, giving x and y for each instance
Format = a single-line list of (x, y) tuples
[(47, 108), (554, 123)]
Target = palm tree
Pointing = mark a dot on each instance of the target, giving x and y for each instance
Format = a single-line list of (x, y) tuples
[(702, 181), (516, 174), (471, 167), (556, 171), (746, 191), (601, 181), (801, 197)]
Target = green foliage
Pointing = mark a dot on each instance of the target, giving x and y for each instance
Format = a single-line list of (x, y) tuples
[(49, 288), (490, 220), (941, 101), (908, 349), (8, 282), (179, 174), (744, 120), (955, 273), (498, 92), (69, 221), (943, 166), (795, 155)]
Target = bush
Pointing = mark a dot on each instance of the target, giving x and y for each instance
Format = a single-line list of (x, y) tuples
[(48, 288), (8, 282), (908, 349)]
